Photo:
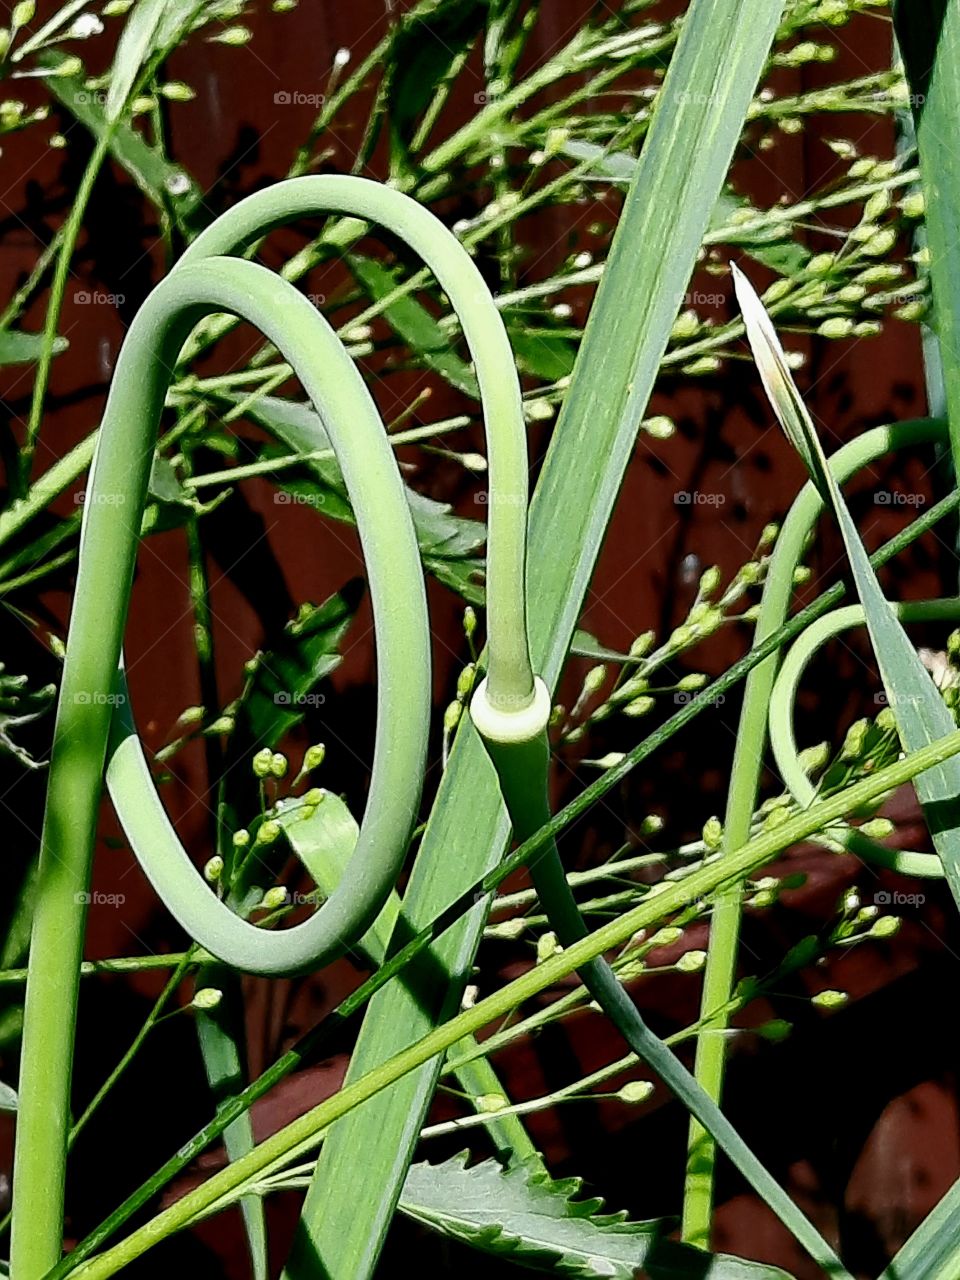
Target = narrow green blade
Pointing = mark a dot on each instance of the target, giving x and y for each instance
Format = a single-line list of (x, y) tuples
[(921, 713), (933, 1251), (706, 94), (928, 33)]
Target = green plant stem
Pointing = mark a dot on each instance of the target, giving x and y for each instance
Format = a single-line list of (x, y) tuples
[(784, 747), (58, 289), (487, 884), (202, 284), (121, 964), (707, 90), (744, 788), (186, 961), (88, 692), (701, 883)]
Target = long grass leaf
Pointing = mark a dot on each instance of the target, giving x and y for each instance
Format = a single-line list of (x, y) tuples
[(928, 34), (677, 182), (921, 713)]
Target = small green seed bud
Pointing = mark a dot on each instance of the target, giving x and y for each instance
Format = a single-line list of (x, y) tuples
[(692, 961), (23, 13), (885, 927), (274, 898), (278, 765), (860, 168), (177, 91), (469, 621), (213, 869), (641, 706), (878, 828), (547, 946), (651, 825), (710, 580), (695, 680), (241, 838), (314, 796), (779, 289), (703, 367), (451, 717), (609, 761), (233, 36), (821, 263), (635, 1092), (642, 645), (876, 206), (830, 999), (776, 1029), (659, 427), (593, 681), (686, 325), (836, 327), (490, 1103), (268, 831), (855, 740), (813, 759), (262, 762), (913, 205), (508, 929), (314, 757), (206, 998), (465, 681), (666, 936), (713, 833), (881, 243)]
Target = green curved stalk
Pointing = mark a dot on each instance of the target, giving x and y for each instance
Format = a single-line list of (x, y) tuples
[(744, 789), (204, 283), (315, 1041), (678, 894), (783, 743), (108, 547)]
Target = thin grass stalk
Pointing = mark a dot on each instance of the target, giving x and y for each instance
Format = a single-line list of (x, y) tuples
[(702, 883), (315, 1041), (743, 794)]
